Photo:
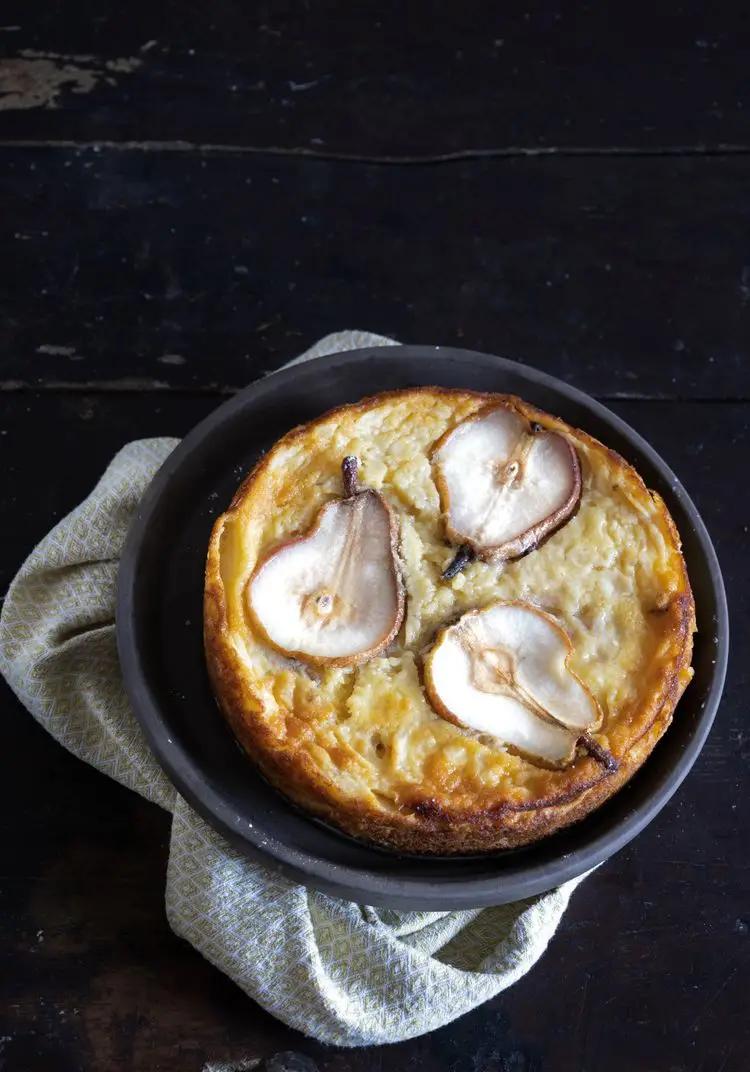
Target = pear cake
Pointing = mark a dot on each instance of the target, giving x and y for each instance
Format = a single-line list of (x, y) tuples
[(446, 622)]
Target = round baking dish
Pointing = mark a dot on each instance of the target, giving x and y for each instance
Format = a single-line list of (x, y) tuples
[(159, 629)]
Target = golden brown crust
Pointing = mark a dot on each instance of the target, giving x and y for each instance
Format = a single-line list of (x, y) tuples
[(435, 819)]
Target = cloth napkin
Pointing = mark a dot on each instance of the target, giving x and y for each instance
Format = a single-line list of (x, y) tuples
[(344, 973)]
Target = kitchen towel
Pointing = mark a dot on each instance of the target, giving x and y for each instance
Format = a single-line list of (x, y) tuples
[(344, 973)]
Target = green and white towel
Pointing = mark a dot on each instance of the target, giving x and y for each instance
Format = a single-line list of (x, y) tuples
[(344, 973)]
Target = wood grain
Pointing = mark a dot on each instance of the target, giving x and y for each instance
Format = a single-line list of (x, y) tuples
[(628, 278), (378, 80)]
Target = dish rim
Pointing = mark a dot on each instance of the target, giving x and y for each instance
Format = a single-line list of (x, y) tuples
[(376, 885)]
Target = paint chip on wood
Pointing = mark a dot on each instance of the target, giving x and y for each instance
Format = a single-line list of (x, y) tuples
[(61, 351), (36, 79)]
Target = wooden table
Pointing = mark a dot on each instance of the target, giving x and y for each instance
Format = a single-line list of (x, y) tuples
[(193, 193)]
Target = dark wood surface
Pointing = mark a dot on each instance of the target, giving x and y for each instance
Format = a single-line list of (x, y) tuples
[(157, 269), (178, 219), (381, 80)]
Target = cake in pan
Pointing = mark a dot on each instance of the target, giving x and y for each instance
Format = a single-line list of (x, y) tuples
[(446, 622)]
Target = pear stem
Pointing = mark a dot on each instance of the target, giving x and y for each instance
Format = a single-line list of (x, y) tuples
[(464, 555), (349, 469), (601, 755)]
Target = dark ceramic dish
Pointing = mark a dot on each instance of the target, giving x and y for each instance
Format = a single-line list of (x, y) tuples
[(159, 629)]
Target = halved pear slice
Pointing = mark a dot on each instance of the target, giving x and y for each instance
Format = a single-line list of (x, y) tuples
[(335, 594), (503, 670), (504, 483)]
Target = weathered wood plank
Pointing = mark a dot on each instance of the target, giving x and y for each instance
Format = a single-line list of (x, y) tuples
[(625, 277), (94, 979), (376, 80)]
